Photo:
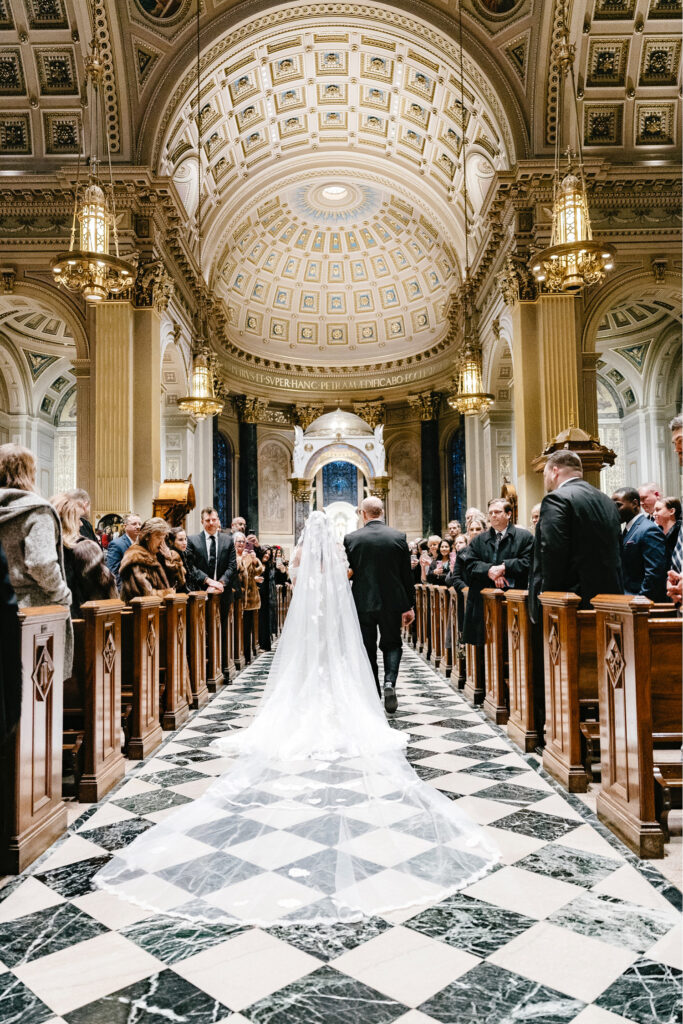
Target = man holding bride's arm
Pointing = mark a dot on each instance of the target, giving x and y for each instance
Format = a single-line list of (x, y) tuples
[(383, 591)]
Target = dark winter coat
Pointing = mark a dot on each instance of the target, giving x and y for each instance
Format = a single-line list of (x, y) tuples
[(87, 576), (515, 551)]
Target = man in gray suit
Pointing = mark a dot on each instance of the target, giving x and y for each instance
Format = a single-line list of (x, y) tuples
[(118, 547), (383, 591)]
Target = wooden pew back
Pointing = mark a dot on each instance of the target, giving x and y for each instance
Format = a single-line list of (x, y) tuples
[(520, 726), (496, 706)]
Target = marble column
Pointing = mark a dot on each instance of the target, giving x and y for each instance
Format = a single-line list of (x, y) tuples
[(146, 438), (112, 408), (427, 405), (301, 493), (85, 456), (250, 411)]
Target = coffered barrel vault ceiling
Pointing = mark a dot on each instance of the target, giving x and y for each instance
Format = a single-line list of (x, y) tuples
[(352, 249)]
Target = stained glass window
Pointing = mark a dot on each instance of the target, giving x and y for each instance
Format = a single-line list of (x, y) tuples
[(340, 483), (457, 496), (222, 476)]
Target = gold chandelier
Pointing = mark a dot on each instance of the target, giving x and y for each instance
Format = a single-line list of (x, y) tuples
[(467, 388), (88, 268), (573, 260), (202, 401)]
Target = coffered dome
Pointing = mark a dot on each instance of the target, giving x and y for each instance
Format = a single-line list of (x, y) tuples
[(333, 266)]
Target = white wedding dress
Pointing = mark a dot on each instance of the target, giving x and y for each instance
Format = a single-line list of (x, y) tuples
[(320, 818)]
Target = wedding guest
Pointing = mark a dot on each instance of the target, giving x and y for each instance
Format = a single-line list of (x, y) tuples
[(667, 516), (643, 551), (10, 662), (31, 534), (674, 577), (142, 572), (475, 526), (118, 546), (455, 577), (267, 614), (239, 525), (453, 530), (535, 516), (649, 495), (177, 541), (425, 559), (87, 577), (83, 499), (473, 513), (440, 566), (250, 570)]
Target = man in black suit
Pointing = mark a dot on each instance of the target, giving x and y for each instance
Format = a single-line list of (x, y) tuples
[(577, 539), (498, 557), (643, 549), (214, 553), (576, 549), (383, 591)]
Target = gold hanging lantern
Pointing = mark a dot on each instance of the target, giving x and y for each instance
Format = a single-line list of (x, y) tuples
[(89, 269), (468, 395), (202, 401), (573, 260)]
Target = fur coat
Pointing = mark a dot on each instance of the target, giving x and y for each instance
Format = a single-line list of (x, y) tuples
[(31, 534), (142, 574), (249, 568), (87, 575)]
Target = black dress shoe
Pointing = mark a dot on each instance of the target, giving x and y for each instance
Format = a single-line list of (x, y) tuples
[(390, 702)]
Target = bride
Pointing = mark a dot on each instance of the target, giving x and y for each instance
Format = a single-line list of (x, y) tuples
[(320, 817)]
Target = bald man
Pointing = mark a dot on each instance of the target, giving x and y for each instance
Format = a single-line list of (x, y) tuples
[(383, 591)]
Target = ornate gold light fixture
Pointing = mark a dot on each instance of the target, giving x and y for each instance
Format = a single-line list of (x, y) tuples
[(573, 260), (202, 401), (89, 268), (467, 394)]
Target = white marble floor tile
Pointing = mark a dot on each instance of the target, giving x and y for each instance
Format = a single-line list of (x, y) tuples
[(87, 971), (459, 782), (74, 811), (628, 884), (524, 892), (275, 849), (513, 846), (259, 964), (107, 814), (264, 895), (596, 1015), (484, 811), (586, 839), (29, 897), (133, 787), (544, 953), (405, 965), (111, 910), (554, 804), (384, 846), (669, 949), (73, 849), (414, 1017)]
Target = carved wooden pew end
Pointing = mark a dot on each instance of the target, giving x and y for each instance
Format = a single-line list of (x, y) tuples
[(496, 700)]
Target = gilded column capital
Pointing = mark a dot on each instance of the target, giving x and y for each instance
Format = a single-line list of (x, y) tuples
[(374, 413), (305, 414), (379, 487), (426, 404), (250, 410), (301, 489), (153, 286), (516, 282)]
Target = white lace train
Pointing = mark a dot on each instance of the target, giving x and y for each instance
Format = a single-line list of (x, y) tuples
[(320, 818)]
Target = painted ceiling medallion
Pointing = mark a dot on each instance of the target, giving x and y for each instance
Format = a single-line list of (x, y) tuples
[(335, 202)]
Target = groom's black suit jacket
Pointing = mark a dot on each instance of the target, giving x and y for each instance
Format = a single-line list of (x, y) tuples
[(382, 579)]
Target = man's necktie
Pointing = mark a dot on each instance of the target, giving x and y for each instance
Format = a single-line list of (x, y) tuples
[(496, 544), (212, 557)]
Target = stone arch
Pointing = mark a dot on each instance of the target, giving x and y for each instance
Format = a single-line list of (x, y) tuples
[(637, 283), (49, 299), (15, 377), (335, 452)]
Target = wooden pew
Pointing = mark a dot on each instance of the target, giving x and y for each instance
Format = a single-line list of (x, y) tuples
[(447, 633), (436, 633), (196, 621), (571, 685), (420, 618), (474, 668), (641, 704), (496, 655), (520, 725), (214, 654), (238, 633), (459, 653), (173, 660), (33, 812), (92, 696), (140, 636)]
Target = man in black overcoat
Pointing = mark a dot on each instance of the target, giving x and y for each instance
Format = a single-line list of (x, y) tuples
[(498, 557), (383, 591)]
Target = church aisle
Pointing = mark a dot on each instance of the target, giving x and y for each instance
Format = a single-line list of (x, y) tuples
[(570, 926)]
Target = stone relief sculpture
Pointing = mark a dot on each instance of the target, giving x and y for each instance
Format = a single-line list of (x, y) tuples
[(404, 495), (274, 494)]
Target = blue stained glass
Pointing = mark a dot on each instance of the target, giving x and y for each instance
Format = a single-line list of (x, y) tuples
[(340, 483), (457, 493), (222, 476)]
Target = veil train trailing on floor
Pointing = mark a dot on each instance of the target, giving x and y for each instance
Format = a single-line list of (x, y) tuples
[(320, 817)]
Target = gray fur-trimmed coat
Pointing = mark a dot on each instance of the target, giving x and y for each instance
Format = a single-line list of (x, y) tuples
[(31, 534)]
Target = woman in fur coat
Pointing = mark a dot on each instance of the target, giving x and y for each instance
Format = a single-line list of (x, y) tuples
[(87, 576), (142, 571)]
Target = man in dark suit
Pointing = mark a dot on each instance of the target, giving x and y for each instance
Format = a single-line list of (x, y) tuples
[(577, 539), (383, 591), (576, 550), (498, 557), (214, 553), (118, 547), (643, 549)]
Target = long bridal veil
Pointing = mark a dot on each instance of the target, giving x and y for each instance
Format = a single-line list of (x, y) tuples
[(320, 817)]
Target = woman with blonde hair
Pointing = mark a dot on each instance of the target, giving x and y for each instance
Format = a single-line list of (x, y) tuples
[(87, 576), (31, 534), (142, 571)]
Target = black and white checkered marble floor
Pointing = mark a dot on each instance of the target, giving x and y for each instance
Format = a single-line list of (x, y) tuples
[(570, 926)]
